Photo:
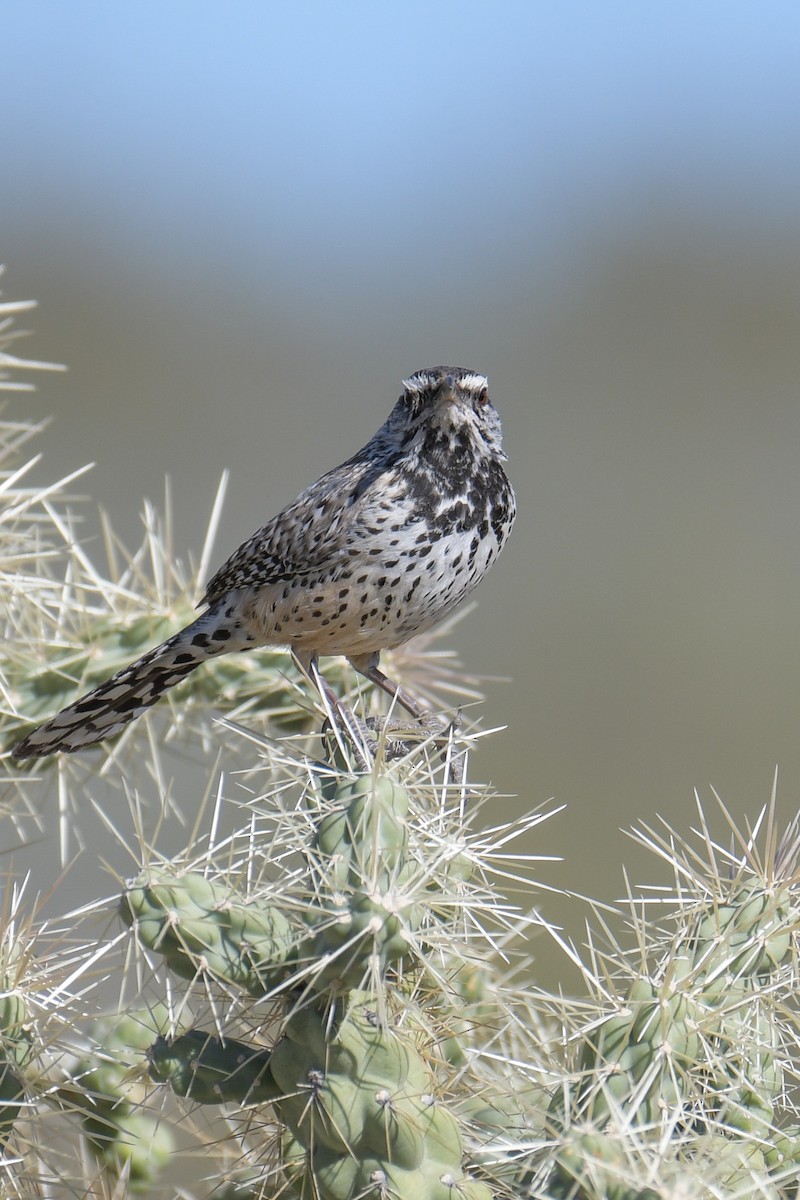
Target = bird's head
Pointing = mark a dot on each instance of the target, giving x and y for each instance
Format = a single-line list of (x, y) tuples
[(452, 403)]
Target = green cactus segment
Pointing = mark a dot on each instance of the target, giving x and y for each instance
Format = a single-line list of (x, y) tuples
[(592, 1166), (463, 1006), (638, 1057), (362, 841), (337, 1177), (782, 1152), (199, 928), (123, 1138), (747, 935), (697, 1045), (735, 948), (15, 1040), (502, 1117), (12, 1092), (208, 1070), (363, 917), (650, 1049), (360, 1116), (13, 1013), (131, 1143), (355, 939)]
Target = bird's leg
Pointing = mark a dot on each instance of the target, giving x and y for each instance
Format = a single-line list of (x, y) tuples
[(432, 725), (367, 665), (362, 734), (341, 717)]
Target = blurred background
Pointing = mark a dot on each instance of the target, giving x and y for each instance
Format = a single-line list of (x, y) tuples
[(245, 223)]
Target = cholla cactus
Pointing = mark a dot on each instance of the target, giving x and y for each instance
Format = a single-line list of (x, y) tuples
[(322, 990), (357, 929), (14, 1042), (686, 1075)]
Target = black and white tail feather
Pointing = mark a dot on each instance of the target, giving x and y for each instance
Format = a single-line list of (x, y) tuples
[(104, 712)]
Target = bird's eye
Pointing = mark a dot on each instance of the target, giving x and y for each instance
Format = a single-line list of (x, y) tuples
[(483, 397)]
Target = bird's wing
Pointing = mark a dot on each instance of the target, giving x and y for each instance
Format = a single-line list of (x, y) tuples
[(334, 519)]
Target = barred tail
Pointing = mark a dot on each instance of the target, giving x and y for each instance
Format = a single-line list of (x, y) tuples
[(103, 712)]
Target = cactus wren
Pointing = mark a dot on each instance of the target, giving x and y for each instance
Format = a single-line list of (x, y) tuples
[(377, 550)]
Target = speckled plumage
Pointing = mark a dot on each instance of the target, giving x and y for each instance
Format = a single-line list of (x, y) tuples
[(377, 550)]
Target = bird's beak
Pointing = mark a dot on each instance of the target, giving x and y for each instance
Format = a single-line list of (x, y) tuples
[(447, 391)]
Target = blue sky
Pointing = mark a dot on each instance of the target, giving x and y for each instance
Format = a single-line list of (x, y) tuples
[(338, 133)]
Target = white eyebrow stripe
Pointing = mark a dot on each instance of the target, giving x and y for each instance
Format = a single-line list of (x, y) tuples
[(471, 382)]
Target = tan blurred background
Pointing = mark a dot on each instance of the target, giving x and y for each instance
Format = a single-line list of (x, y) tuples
[(245, 226)]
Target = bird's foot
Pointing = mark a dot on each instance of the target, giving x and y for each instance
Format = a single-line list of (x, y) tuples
[(393, 739), (397, 737)]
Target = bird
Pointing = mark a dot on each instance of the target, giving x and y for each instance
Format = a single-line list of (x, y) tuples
[(379, 549)]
